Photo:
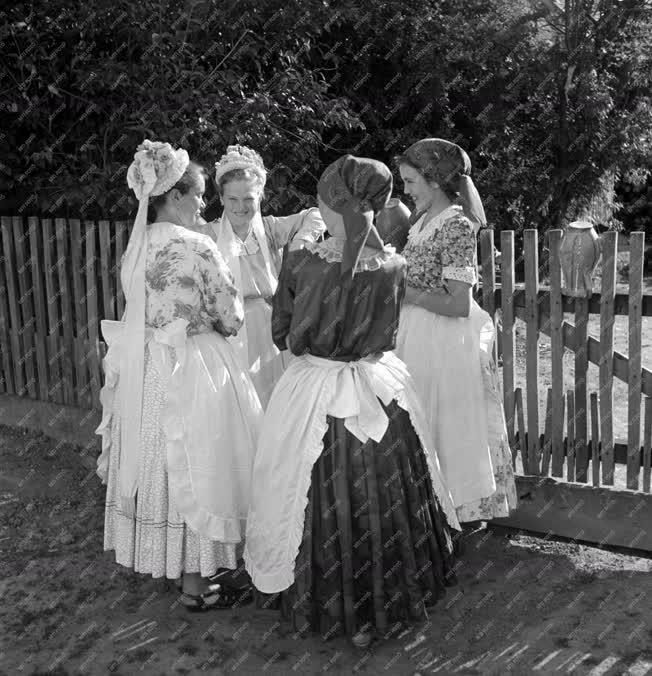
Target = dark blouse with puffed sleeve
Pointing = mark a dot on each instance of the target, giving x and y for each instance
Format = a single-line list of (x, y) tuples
[(331, 315)]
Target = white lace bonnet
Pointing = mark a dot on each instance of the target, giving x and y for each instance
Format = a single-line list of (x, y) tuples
[(240, 157)]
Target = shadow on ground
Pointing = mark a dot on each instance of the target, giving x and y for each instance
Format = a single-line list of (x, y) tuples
[(523, 605)]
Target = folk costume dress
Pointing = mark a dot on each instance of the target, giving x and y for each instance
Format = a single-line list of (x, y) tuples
[(350, 517), (255, 263), (450, 360), (200, 417)]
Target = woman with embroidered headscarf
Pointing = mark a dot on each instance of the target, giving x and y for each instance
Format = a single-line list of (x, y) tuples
[(446, 339), (349, 512), (180, 415), (252, 246)]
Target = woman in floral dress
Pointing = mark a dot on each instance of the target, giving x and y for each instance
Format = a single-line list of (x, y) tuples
[(446, 339), (252, 246), (350, 516), (180, 415)]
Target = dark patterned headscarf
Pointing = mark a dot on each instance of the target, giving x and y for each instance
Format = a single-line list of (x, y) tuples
[(445, 163), (358, 188)]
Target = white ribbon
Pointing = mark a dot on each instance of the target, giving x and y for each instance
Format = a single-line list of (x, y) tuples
[(359, 385)]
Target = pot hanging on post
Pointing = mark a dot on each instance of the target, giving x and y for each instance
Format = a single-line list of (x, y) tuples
[(579, 254)]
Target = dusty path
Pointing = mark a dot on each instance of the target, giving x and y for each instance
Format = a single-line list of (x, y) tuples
[(522, 606)]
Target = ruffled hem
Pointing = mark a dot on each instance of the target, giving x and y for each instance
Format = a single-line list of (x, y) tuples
[(270, 583), (228, 531)]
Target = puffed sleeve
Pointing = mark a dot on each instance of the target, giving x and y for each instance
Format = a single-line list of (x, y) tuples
[(459, 251), (307, 226), (283, 303), (220, 296)]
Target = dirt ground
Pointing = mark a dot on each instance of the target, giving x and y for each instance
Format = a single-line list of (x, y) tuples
[(523, 605)]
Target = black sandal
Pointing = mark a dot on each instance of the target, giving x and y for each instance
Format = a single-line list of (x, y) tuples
[(206, 601), (234, 597)]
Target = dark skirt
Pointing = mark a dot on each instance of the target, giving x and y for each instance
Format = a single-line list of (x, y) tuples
[(376, 548)]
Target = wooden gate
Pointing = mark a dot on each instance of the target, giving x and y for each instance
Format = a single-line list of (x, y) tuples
[(575, 479)]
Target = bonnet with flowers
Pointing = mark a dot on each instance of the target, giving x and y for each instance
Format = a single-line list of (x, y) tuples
[(240, 157), (156, 169)]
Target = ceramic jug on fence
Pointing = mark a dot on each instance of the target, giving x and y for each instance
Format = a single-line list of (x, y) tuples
[(393, 223), (579, 253)]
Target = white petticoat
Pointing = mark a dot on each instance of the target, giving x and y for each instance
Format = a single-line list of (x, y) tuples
[(200, 425)]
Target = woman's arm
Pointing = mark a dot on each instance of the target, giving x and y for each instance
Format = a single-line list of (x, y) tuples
[(220, 295), (454, 300), (283, 306), (297, 229)]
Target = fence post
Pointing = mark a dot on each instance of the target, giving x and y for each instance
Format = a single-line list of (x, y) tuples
[(507, 330), (531, 253)]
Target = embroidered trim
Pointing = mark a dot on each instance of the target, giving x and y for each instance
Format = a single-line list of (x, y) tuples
[(331, 251), (466, 274)]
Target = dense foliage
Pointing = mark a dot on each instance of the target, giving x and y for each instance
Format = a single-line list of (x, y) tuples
[(550, 99)]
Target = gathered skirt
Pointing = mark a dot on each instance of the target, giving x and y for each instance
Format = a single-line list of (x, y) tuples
[(157, 539), (376, 546), (450, 360)]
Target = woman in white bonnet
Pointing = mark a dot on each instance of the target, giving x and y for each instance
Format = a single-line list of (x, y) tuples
[(252, 245), (180, 415)]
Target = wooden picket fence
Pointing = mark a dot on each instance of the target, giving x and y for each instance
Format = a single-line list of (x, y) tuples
[(59, 278), (556, 463)]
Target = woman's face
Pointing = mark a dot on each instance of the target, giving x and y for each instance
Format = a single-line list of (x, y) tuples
[(241, 200), (416, 186), (334, 221), (189, 206)]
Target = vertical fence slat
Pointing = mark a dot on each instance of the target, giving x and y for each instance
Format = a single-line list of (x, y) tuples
[(5, 330), (66, 313), (93, 327), (55, 354), (108, 309), (556, 355), (40, 312), (636, 249), (81, 319), (120, 246), (595, 440), (647, 444), (547, 432), (531, 255), (522, 438), (581, 371), (609, 243), (489, 278), (25, 303), (507, 330), (17, 352), (570, 436)]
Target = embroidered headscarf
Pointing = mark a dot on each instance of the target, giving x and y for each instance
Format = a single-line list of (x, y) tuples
[(156, 169), (447, 164), (357, 188)]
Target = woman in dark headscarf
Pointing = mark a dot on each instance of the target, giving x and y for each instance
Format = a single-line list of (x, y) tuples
[(349, 513), (446, 339)]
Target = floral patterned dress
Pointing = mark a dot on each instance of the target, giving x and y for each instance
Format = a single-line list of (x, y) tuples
[(199, 423), (450, 360)]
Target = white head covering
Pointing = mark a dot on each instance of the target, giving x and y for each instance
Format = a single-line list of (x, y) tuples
[(240, 157), (156, 169)]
